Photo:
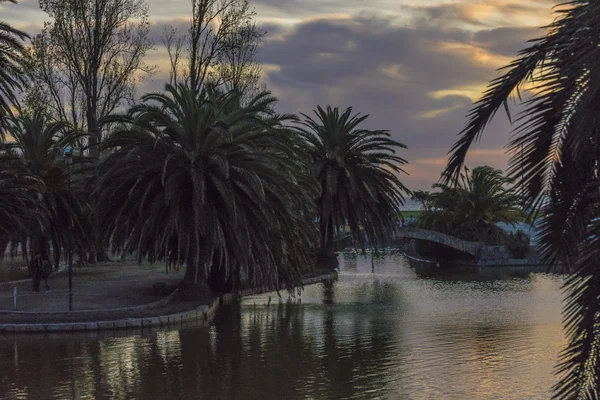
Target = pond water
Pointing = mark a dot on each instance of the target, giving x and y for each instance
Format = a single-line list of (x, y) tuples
[(397, 333)]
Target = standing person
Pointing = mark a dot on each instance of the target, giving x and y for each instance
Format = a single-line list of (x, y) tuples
[(45, 271)]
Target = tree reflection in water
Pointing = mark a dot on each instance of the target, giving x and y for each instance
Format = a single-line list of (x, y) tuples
[(282, 351)]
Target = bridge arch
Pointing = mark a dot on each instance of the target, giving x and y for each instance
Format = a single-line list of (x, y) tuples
[(471, 248), (465, 246)]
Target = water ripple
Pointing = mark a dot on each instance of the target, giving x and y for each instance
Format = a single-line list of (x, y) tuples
[(399, 333)]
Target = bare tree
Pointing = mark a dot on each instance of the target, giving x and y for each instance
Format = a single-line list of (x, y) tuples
[(52, 85), (174, 44), (237, 67), (88, 60), (220, 46)]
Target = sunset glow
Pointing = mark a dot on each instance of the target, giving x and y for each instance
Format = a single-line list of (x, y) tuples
[(414, 66)]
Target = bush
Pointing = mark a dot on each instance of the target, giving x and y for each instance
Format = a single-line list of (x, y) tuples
[(518, 244)]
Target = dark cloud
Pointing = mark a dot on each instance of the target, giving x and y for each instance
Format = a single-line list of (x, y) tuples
[(506, 41), (416, 73), (481, 15), (312, 7), (182, 25), (325, 52), (157, 28), (410, 80)]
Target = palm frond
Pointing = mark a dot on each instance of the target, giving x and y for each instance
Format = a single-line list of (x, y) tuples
[(357, 170), (554, 157), (39, 142), (11, 72), (197, 179)]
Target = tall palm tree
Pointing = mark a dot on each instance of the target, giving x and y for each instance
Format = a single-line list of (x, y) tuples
[(357, 170), (11, 74), (192, 180), (472, 208), (39, 142), (559, 134)]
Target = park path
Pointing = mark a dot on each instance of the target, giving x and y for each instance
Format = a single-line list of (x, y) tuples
[(95, 287)]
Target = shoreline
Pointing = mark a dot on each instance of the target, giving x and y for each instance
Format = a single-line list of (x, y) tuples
[(487, 263), (473, 265), (200, 313)]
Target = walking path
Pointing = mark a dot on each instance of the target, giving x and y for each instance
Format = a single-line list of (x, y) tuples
[(102, 286), (108, 296)]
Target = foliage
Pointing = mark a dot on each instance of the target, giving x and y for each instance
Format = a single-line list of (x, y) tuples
[(559, 133), (518, 244), (11, 72), (471, 209), (357, 170), (39, 142), (193, 179), (20, 208), (219, 47), (423, 197), (87, 61)]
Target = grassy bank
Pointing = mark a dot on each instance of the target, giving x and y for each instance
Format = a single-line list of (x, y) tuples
[(411, 214)]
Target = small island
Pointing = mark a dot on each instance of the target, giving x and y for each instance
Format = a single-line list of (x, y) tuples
[(479, 221)]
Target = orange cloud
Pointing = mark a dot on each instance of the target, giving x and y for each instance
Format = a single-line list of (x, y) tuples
[(438, 162)]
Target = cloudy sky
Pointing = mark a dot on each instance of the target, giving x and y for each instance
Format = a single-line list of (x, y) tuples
[(414, 65)]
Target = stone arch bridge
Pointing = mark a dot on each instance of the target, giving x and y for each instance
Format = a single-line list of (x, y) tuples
[(471, 248)]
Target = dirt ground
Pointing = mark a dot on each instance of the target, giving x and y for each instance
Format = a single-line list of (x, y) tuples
[(101, 286)]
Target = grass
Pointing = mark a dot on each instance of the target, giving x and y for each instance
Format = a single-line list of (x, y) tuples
[(13, 269), (411, 214)]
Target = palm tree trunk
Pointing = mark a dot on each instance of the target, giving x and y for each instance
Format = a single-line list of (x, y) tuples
[(93, 127), (189, 287), (98, 251), (190, 271), (218, 280), (39, 244), (326, 257), (326, 232)]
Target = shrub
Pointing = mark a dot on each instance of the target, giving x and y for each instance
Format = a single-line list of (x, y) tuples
[(518, 244)]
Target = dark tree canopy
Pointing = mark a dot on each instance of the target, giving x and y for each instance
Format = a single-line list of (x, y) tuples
[(39, 142), (472, 208), (11, 68), (21, 209), (357, 170), (194, 179), (423, 197)]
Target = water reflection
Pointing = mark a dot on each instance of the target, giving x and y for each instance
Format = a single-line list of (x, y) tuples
[(390, 334)]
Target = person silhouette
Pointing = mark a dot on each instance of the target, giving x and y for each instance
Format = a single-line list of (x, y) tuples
[(46, 270), (36, 271), (41, 268)]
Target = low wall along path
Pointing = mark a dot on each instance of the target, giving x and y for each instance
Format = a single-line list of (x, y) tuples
[(47, 316)]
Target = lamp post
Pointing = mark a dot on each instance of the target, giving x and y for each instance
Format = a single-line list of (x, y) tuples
[(69, 162)]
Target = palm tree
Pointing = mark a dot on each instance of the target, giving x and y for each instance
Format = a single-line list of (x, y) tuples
[(39, 142), (11, 74), (357, 170), (472, 208), (20, 207), (192, 180), (559, 134), (423, 197)]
